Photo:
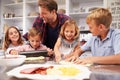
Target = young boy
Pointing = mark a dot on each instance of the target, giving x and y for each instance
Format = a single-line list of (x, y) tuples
[(105, 42)]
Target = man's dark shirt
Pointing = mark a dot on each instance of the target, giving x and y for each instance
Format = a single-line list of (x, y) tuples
[(49, 34)]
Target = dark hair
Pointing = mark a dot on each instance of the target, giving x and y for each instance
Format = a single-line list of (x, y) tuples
[(49, 4)]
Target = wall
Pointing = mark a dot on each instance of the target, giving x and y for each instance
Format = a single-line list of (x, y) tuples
[(0, 19), (114, 6)]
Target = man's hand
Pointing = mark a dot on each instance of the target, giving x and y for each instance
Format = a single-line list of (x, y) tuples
[(58, 58)]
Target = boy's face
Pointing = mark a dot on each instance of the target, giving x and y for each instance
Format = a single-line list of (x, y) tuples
[(35, 41), (94, 29)]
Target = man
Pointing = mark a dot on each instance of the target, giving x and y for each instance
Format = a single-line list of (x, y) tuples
[(105, 42), (49, 22)]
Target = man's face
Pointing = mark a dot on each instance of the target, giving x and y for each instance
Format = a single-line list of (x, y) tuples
[(46, 15)]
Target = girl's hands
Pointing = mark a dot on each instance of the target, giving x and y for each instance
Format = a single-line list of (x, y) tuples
[(14, 52), (72, 58), (58, 58)]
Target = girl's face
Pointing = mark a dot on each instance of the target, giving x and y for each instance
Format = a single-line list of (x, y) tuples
[(13, 35), (69, 32), (35, 41)]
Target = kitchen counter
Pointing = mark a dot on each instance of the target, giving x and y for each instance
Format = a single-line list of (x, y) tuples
[(105, 72), (99, 72)]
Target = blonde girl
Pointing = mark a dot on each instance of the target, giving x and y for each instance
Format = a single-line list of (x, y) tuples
[(68, 41), (12, 38)]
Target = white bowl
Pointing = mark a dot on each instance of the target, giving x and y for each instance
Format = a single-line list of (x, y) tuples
[(12, 60)]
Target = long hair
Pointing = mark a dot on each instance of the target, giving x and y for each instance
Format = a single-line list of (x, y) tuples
[(69, 23), (7, 41)]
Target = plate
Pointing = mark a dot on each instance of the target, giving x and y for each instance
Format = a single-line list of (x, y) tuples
[(83, 74)]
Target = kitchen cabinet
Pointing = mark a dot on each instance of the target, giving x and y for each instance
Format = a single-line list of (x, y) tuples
[(114, 6), (19, 13), (61, 4), (79, 9), (0, 20), (12, 14)]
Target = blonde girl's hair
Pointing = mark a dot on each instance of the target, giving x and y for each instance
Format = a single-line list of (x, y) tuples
[(69, 23), (34, 32), (7, 41), (100, 16)]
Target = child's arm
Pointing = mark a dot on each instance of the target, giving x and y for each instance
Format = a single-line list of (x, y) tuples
[(74, 51), (56, 50), (16, 50), (43, 47)]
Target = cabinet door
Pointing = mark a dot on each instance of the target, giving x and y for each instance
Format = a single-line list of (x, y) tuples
[(12, 12), (0, 22), (31, 12), (114, 6), (79, 9), (61, 6)]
